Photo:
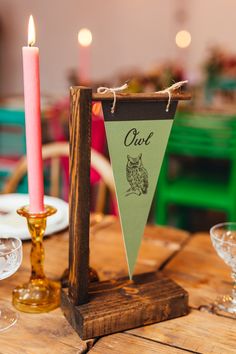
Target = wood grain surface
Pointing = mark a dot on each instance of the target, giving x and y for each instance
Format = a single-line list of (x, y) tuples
[(157, 298), (200, 271), (79, 194), (155, 249), (199, 332), (40, 333), (204, 275), (153, 96), (147, 298), (191, 261), (124, 343)]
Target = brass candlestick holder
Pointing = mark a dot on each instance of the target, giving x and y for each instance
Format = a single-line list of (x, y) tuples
[(39, 294)]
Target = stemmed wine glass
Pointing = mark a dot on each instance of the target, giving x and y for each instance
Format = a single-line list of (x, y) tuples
[(223, 237), (10, 261)]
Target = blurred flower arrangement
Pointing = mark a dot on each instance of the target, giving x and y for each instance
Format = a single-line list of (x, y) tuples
[(220, 73), (158, 78), (220, 63)]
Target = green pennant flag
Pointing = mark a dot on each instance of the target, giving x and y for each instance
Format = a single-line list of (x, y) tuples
[(137, 136)]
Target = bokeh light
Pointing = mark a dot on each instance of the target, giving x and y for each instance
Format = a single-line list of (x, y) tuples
[(183, 39), (85, 37)]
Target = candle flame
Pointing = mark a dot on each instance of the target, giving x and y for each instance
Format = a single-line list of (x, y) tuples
[(31, 32)]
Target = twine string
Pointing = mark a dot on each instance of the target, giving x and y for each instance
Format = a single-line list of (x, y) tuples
[(169, 90), (172, 89), (113, 90)]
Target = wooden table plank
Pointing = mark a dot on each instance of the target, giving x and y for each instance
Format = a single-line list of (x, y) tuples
[(200, 271), (199, 332), (107, 254), (199, 268), (40, 333), (47, 333), (123, 343), (196, 267), (50, 333)]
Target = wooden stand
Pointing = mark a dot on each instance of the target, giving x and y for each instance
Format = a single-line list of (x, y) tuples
[(115, 306), (100, 308)]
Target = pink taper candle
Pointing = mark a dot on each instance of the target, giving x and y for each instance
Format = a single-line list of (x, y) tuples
[(85, 40), (84, 65), (33, 121)]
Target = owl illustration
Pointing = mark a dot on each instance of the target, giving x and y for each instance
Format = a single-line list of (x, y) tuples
[(136, 175)]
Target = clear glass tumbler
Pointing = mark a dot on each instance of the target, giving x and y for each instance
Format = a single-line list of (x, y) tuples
[(10, 261), (223, 237)]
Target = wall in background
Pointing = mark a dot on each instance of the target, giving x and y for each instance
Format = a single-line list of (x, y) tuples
[(126, 34), (212, 22)]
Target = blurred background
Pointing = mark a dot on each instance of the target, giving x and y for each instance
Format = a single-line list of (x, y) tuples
[(153, 44)]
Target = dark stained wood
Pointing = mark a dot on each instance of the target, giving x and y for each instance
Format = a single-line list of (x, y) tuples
[(79, 197), (141, 96), (115, 306)]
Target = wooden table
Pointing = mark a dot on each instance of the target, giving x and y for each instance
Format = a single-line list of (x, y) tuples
[(188, 259)]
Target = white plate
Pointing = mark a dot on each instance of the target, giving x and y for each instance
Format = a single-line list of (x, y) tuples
[(11, 224)]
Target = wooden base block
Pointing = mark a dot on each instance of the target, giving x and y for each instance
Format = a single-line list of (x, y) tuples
[(122, 304)]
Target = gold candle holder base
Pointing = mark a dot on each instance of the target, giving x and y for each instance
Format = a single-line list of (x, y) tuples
[(39, 294)]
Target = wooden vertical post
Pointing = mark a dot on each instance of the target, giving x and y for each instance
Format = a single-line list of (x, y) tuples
[(79, 196)]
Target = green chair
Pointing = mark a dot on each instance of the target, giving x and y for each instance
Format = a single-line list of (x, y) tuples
[(12, 143), (209, 138)]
